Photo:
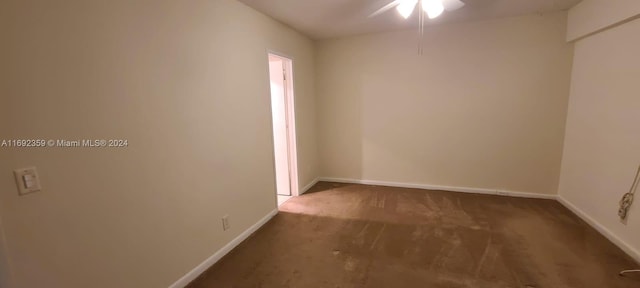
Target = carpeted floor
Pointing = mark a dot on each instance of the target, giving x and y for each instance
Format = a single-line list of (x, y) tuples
[(345, 235)]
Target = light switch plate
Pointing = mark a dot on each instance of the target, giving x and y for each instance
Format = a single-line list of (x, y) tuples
[(27, 180)]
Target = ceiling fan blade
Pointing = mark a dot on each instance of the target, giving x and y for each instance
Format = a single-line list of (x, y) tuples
[(451, 5), (385, 8)]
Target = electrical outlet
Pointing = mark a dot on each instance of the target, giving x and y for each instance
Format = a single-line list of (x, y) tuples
[(225, 223)]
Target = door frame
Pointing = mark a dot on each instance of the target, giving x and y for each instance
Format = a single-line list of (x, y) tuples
[(290, 118)]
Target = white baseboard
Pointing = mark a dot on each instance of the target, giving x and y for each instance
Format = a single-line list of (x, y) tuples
[(308, 186), (635, 254), (193, 274), (443, 188)]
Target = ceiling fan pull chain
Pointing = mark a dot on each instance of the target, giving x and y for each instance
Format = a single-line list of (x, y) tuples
[(419, 15), (420, 30)]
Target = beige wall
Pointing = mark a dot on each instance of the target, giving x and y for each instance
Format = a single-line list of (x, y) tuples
[(603, 140), (5, 269), (484, 107), (593, 15), (186, 82)]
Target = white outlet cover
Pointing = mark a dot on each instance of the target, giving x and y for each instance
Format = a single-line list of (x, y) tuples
[(225, 223)]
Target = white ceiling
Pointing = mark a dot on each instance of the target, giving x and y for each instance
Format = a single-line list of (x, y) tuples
[(320, 19)]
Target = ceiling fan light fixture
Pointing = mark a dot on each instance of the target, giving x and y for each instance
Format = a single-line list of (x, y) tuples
[(405, 8), (434, 8), (451, 5)]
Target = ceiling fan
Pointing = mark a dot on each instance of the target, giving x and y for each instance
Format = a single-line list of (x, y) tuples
[(433, 8)]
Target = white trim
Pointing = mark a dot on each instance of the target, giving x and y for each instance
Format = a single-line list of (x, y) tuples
[(292, 130), (635, 254), (308, 186), (443, 188), (290, 119), (202, 267), (280, 54)]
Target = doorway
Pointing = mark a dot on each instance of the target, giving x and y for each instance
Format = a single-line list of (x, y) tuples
[(283, 119)]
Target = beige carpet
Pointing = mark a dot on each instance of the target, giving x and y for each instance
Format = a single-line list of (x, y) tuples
[(343, 235)]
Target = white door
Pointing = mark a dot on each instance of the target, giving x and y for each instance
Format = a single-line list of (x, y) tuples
[(280, 134)]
